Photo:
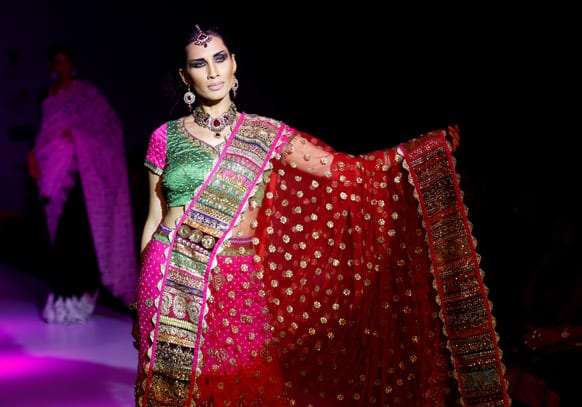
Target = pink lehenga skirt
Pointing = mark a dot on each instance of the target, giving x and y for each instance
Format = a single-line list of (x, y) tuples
[(239, 362)]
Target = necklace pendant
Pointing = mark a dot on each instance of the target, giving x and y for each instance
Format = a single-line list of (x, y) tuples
[(215, 124)]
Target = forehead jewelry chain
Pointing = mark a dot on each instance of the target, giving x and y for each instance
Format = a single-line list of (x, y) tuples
[(215, 124)]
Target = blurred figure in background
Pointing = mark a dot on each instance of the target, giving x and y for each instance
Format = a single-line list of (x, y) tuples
[(79, 164)]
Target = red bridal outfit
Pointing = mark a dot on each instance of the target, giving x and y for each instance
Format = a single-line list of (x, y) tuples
[(361, 286)]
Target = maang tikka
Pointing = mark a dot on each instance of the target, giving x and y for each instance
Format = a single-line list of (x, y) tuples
[(189, 98), (200, 37)]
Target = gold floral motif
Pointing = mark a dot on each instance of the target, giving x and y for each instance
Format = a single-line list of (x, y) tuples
[(208, 242), (193, 309), (166, 303), (179, 307), (184, 231)]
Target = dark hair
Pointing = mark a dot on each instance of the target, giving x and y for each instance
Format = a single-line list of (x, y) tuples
[(62, 47)]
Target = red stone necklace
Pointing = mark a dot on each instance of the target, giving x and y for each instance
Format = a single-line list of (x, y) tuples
[(215, 124)]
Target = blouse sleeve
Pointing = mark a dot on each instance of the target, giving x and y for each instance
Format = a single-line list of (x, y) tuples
[(155, 158)]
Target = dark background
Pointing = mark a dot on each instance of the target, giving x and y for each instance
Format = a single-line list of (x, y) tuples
[(361, 76)]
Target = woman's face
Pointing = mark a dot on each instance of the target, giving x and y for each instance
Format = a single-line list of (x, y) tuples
[(209, 69), (63, 66)]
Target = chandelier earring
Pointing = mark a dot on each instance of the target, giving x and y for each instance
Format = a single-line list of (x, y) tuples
[(234, 87), (189, 98)]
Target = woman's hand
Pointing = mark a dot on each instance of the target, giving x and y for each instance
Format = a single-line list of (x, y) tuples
[(453, 133)]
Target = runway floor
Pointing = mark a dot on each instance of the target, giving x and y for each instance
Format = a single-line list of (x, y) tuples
[(91, 364)]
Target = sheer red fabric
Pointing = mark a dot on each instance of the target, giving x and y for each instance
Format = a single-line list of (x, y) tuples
[(350, 279)]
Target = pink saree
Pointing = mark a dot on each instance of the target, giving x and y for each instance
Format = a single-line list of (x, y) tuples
[(95, 150)]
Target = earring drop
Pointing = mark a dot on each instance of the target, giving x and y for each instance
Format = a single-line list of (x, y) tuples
[(234, 87), (189, 98)]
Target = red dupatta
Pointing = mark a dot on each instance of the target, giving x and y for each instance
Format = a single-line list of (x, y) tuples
[(374, 283)]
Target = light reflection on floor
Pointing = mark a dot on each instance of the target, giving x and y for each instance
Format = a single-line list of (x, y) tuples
[(44, 365)]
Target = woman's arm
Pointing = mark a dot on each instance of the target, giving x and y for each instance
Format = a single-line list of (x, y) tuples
[(304, 153), (310, 155), (156, 209)]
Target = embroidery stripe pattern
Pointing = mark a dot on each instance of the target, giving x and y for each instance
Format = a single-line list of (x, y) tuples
[(473, 341), (196, 241)]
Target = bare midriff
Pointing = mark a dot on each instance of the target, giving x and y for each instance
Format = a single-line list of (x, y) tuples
[(243, 229)]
